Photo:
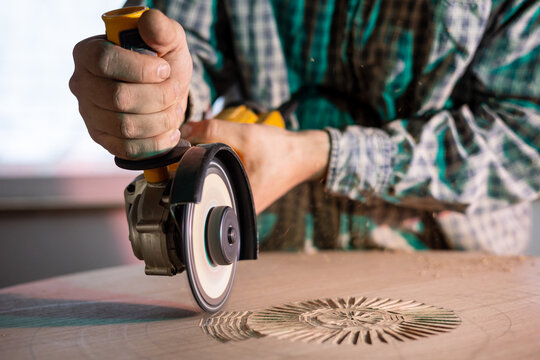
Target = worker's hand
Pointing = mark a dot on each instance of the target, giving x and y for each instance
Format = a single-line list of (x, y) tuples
[(134, 104), (276, 160)]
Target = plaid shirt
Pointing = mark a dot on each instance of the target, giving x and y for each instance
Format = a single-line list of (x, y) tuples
[(442, 104)]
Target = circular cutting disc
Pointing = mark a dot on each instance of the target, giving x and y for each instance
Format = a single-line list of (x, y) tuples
[(210, 283)]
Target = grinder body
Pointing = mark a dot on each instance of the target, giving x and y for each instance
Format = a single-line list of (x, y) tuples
[(178, 225)]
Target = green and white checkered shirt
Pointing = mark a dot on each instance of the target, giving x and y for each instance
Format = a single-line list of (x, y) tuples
[(440, 110)]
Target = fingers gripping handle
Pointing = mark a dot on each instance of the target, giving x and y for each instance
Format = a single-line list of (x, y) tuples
[(121, 29)]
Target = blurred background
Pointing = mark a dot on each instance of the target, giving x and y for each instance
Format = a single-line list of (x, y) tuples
[(61, 196)]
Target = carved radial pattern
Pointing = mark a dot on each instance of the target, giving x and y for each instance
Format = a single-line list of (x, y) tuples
[(352, 320)]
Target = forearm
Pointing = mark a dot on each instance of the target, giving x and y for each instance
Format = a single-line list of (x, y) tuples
[(455, 160)]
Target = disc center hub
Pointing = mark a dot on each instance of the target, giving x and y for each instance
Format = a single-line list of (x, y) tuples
[(222, 235)]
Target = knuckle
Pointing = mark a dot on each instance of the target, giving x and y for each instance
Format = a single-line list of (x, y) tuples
[(121, 97), (74, 83), (128, 129)]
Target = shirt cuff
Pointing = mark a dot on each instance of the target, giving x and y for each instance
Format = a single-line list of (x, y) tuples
[(360, 161)]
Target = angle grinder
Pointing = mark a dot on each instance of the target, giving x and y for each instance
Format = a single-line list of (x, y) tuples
[(192, 209)]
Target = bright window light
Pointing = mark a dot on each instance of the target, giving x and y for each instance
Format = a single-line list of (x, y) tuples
[(41, 131)]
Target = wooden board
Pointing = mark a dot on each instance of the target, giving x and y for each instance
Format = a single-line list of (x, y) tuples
[(121, 313)]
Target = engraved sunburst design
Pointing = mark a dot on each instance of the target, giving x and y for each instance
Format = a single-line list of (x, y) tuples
[(352, 320)]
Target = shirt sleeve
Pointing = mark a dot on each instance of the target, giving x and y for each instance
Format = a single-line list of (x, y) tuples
[(475, 156)]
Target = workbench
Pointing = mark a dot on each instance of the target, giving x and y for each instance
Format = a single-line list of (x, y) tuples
[(478, 306)]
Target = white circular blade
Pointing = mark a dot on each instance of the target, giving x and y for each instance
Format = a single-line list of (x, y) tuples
[(212, 278)]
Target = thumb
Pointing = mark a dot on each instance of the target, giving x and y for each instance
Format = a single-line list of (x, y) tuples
[(168, 39), (161, 33)]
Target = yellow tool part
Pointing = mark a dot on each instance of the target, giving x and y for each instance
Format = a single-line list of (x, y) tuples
[(242, 114), (273, 118), (120, 20)]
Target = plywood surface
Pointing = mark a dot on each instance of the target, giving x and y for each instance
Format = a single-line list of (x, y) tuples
[(121, 313)]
